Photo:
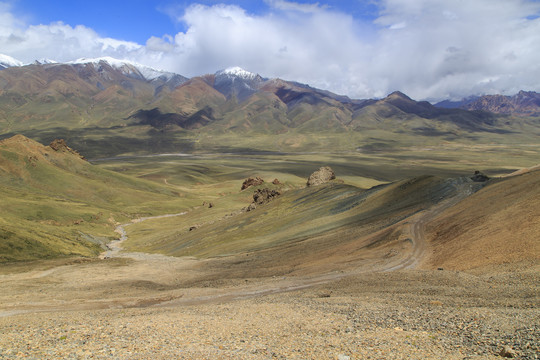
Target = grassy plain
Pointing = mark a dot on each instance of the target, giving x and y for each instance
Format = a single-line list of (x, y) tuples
[(78, 203)]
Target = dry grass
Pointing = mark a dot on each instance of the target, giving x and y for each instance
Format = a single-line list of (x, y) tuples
[(499, 224)]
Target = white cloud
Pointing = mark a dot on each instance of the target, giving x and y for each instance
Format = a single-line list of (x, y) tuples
[(62, 42), (292, 6), (429, 49)]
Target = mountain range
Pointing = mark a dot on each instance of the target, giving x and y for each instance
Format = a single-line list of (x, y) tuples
[(134, 108), (524, 103)]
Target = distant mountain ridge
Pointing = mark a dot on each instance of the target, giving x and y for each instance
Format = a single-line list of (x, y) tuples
[(235, 81), (138, 108), (524, 103), (7, 61)]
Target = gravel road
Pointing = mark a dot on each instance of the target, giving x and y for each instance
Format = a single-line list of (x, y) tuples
[(408, 314)]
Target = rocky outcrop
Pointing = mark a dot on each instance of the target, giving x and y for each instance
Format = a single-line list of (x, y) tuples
[(61, 146), (262, 196), (479, 177), (321, 176), (276, 182), (252, 181)]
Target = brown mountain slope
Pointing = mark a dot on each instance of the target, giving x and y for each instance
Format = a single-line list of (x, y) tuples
[(498, 224), (524, 103)]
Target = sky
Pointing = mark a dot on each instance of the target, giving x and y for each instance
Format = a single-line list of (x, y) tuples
[(429, 49)]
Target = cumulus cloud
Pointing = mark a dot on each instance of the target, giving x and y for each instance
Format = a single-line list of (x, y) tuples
[(57, 41), (317, 46), (441, 48), (429, 49)]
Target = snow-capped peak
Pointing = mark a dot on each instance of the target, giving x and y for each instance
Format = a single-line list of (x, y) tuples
[(238, 72), (127, 67), (45, 62), (107, 59), (7, 61)]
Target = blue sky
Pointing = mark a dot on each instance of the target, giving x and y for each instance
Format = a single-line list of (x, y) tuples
[(135, 22), (138, 20), (429, 49)]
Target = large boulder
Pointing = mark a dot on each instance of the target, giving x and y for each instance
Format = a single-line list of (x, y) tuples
[(321, 176)]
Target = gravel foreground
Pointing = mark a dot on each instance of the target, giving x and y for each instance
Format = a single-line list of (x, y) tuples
[(400, 315)]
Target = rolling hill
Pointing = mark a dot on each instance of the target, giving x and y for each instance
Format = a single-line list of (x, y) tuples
[(55, 203), (455, 224), (497, 225)]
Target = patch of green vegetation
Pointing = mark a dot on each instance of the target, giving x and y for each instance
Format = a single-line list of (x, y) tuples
[(56, 204)]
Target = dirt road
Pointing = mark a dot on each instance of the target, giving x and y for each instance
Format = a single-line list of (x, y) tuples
[(141, 306), (140, 279)]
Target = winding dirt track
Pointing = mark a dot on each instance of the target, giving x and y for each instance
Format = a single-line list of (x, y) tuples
[(156, 269), (417, 227)]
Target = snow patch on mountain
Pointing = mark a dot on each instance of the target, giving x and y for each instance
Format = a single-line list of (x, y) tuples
[(127, 67), (237, 72), (7, 61), (45, 62)]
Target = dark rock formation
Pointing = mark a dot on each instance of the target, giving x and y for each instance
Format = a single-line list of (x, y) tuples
[(321, 176), (60, 145), (252, 182), (479, 177), (262, 196)]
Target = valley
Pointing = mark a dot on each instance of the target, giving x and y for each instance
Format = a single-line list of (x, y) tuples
[(125, 231), (348, 268)]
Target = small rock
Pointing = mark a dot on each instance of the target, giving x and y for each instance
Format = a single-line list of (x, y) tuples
[(276, 182), (251, 207), (507, 352), (208, 204), (343, 357)]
